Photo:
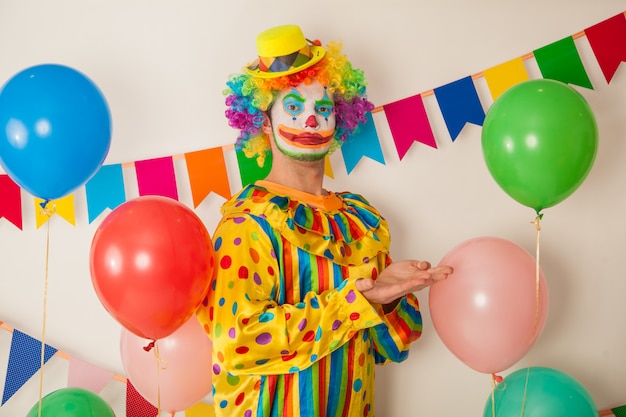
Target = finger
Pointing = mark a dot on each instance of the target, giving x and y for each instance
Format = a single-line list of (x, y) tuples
[(364, 284)]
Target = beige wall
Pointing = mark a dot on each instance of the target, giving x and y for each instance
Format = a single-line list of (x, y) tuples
[(162, 65)]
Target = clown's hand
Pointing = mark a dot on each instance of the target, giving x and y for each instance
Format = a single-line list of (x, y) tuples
[(399, 279)]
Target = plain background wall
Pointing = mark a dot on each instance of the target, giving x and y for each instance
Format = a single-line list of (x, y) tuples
[(162, 65)]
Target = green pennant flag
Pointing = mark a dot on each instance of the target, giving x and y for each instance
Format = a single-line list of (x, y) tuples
[(560, 61), (249, 170), (619, 411)]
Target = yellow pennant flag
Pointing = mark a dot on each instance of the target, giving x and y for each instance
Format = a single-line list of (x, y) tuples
[(200, 410), (501, 77), (64, 207), (328, 169)]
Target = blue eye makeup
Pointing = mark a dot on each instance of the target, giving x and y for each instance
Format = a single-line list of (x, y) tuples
[(324, 106), (293, 104)]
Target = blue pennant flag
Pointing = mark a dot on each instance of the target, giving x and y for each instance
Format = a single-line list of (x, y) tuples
[(24, 361), (459, 104), (105, 190), (364, 143)]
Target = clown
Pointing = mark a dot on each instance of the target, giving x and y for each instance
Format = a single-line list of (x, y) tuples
[(305, 298)]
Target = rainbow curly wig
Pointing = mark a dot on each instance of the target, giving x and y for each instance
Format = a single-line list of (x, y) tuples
[(247, 97)]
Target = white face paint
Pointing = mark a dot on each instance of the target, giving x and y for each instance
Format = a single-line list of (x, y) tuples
[(303, 122)]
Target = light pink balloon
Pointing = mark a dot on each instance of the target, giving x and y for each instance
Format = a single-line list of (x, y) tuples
[(488, 312), (184, 376)]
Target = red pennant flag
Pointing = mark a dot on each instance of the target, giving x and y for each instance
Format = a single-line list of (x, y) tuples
[(408, 123), (608, 42), (136, 405), (11, 201)]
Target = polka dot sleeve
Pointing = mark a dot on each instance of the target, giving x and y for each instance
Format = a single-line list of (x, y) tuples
[(257, 324)]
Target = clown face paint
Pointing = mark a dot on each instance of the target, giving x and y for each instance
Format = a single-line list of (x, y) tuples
[(303, 122)]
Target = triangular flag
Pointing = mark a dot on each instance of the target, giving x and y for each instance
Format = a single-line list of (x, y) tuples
[(157, 177), (328, 168), (249, 170), (24, 361), (105, 190), (82, 374), (459, 104), (619, 411), (608, 42), (560, 61), (409, 123), (201, 410), (207, 172), (364, 143), (136, 405), (11, 201), (504, 76), (64, 207)]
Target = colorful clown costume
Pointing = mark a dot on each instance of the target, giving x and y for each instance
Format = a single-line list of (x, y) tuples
[(291, 334)]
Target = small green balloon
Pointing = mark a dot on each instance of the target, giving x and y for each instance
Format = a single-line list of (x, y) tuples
[(548, 392), (72, 402), (539, 141)]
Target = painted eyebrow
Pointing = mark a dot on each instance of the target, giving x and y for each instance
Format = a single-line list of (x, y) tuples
[(295, 97), (325, 103)]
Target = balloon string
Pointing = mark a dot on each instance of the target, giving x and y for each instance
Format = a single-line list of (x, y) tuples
[(493, 400), (48, 211), (159, 362), (537, 223), (495, 380), (525, 390)]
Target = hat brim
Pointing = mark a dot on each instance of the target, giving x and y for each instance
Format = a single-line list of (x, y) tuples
[(317, 52)]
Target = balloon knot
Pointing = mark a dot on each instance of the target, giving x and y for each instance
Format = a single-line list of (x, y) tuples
[(149, 347), (496, 378)]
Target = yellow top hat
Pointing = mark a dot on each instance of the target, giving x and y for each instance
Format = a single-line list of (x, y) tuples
[(283, 50)]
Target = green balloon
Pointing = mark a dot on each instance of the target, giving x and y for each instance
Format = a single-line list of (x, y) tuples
[(548, 393), (539, 141), (72, 402)]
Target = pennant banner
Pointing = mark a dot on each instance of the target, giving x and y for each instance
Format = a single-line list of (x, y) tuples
[(83, 374), (157, 177), (64, 207), (608, 42), (24, 361), (459, 104), (408, 121), (11, 201), (504, 76), (105, 190), (366, 145), (560, 61), (136, 405), (207, 173)]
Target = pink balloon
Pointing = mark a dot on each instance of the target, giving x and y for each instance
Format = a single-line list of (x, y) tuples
[(488, 312), (181, 378)]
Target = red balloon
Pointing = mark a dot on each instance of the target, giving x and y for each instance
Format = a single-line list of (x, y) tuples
[(178, 374), (489, 312), (151, 262)]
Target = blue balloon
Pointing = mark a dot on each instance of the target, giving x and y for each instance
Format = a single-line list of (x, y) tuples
[(55, 130)]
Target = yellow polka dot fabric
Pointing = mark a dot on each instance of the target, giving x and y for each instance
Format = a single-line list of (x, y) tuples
[(292, 336)]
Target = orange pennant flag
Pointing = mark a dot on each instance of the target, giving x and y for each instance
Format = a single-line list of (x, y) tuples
[(207, 173)]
